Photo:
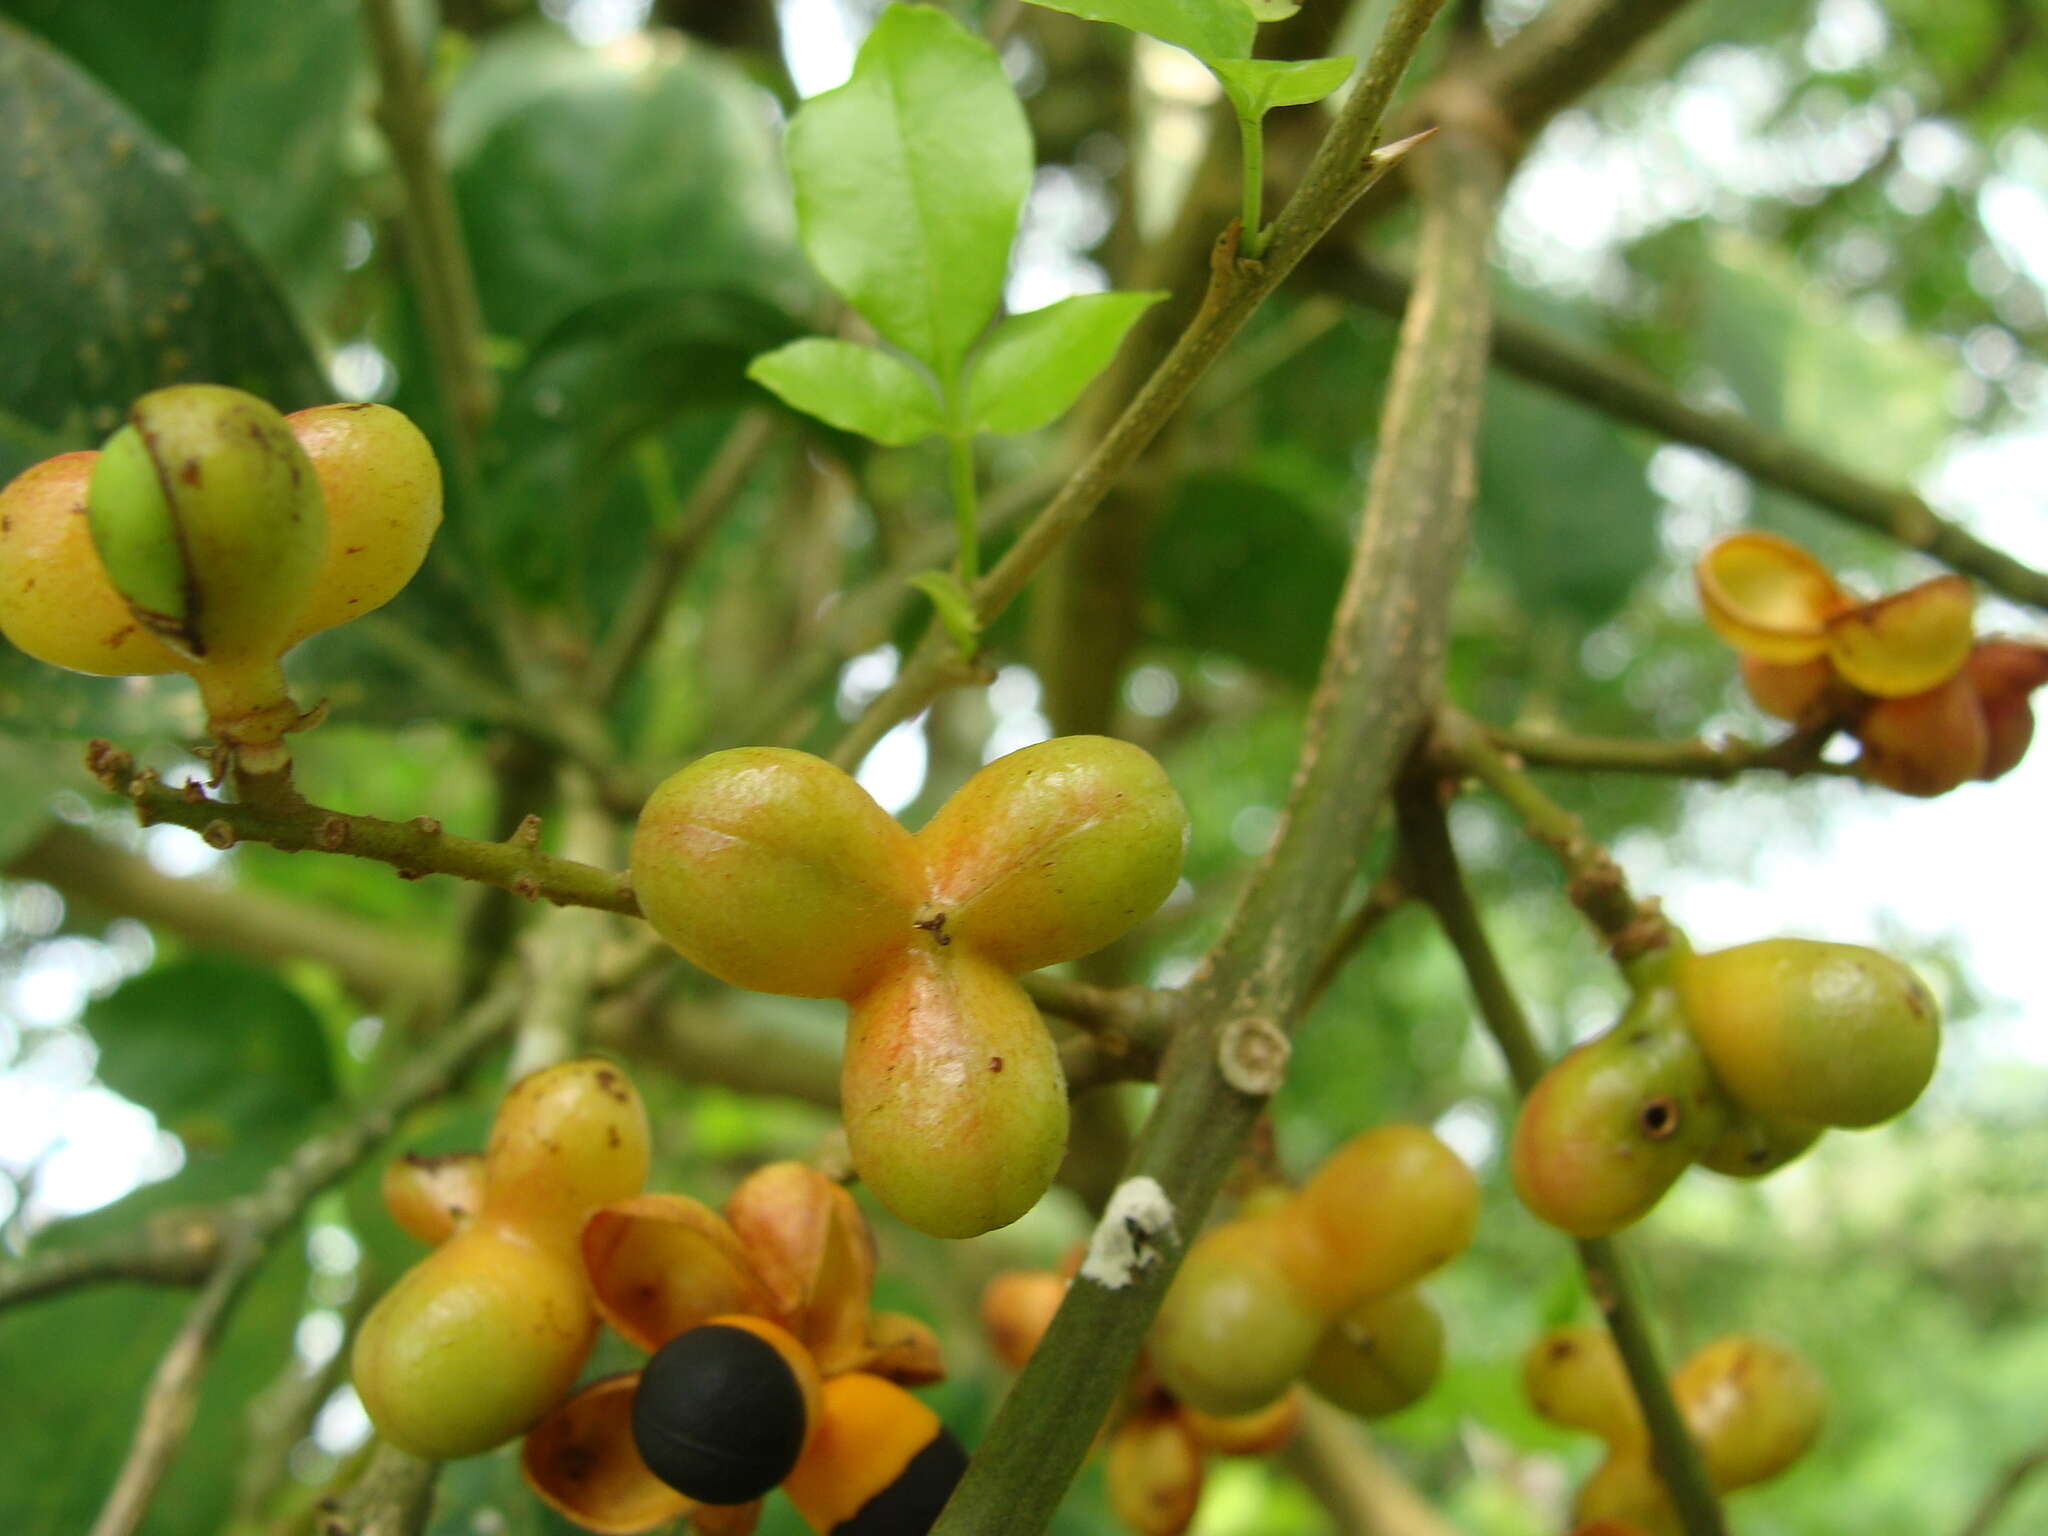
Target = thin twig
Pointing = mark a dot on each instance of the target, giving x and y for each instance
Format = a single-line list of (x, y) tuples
[(393, 1497), (1630, 393), (249, 1226), (414, 848), (1594, 882), (173, 1248), (1364, 1495), (2003, 1490), (1383, 664), (1796, 754), (1430, 861), (674, 551)]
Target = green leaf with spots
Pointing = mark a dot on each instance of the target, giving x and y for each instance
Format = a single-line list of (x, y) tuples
[(852, 387), (910, 179), (1035, 365), (121, 275)]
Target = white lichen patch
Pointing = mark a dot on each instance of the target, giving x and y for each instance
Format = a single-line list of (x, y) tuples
[(1135, 1228)]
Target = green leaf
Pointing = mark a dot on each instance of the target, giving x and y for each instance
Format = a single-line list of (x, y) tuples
[(1257, 86), (1209, 29), (909, 182), (1035, 365), (855, 388), (955, 607), (121, 276), (1273, 10), (610, 174), (216, 1049)]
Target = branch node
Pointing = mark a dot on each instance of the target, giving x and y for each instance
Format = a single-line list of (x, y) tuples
[(426, 826), (1252, 1054), (332, 834), (527, 833), (218, 834)]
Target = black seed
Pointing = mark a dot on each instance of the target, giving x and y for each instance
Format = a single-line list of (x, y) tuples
[(719, 1415), (910, 1505)]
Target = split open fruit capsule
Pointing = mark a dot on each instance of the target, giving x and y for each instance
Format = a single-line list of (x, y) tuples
[(724, 1410), (879, 1464)]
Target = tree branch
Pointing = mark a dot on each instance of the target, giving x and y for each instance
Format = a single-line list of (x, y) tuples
[(1382, 667), (1365, 1496), (1629, 393), (415, 848), (1430, 860), (1796, 754), (1594, 882), (372, 963), (2003, 1490)]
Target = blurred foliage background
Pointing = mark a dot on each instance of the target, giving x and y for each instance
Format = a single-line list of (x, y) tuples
[(1831, 215)]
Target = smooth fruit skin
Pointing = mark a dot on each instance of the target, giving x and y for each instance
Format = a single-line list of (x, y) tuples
[(1614, 1122), (431, 1198), (1627, 1491), (1753, 1145), (483, 1336), (775, 871), (1017, 1306), (56, 603), (208, 517), (1833, 1034), (1388, 1206), (1573, 1376), (1237, 1326), (473, 1344), (954, 1099), (1380, 1356), (382, 487), (1051, 852), (1925, 744), (1753, 1405), (1154, 1475)]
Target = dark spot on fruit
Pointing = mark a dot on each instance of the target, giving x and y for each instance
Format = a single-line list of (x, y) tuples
[(29, 585), (1562, 1349), (6, 525), (189, 472), (352, 549), (995, 1063), (611, 1135), (1756, 1157), (1659, 1118), (608, 1080)]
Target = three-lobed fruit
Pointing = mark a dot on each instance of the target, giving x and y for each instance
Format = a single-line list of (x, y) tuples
[(1613, 1123), (775, 871), (1255, 1296), (485, 1334), (1830, 1034)]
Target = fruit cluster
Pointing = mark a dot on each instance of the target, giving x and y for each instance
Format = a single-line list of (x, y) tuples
[(1752, 1406), (209, 536), (1159, 1446), (775, 871), (1932, 706), (1299, 1288), (1736, 1059), (768, 1366), (1312, 1288)]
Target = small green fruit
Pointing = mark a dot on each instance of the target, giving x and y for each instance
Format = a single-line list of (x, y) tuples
[(1753, 1145), (208, 517), (1237, 1325), (1381, 1356), (1613, 1124)]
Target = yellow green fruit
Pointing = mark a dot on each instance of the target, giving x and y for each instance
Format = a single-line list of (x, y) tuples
[(473, 1344), (1380, 1356), (954, 1099), (1051, 852), (1236, 1327), (1753, 1145), (1753, 1405), (775, 871), (1625, 1490), (1608, 1129), (1154, 1475), (55, 600), (1574, 1377), (1387, 1207), (381, 485), (208, 517), (1833, 1034)]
